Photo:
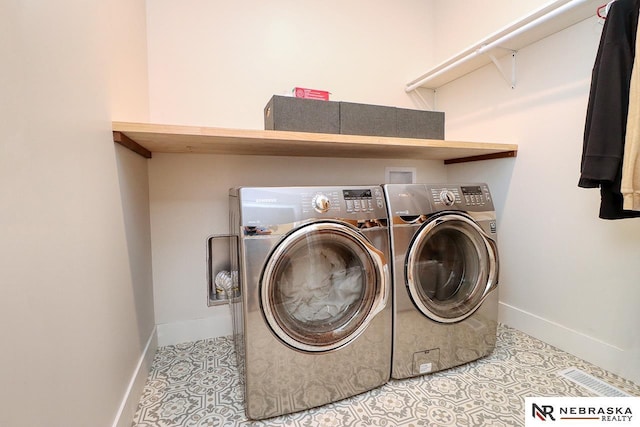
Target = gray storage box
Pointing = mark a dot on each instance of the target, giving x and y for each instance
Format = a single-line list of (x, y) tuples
[(420, 124), (302, 115), (365, 119)]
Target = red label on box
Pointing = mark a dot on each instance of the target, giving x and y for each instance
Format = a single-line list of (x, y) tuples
[(301, 92)]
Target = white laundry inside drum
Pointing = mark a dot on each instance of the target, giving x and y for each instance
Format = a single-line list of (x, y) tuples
[(320, 285)]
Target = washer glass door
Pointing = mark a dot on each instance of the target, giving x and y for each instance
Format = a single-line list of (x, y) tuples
[(322, 285), (451, 266)]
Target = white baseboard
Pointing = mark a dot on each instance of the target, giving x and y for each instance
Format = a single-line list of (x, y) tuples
[(591, 349), (138, 379), (218, 325)]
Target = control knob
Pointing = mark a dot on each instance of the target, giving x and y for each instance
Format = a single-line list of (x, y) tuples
[(447, 197), (321, 203)]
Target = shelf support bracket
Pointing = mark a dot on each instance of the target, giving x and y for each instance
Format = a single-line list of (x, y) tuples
[(125, 141), (503, 155), (511, 79), (424, 103)]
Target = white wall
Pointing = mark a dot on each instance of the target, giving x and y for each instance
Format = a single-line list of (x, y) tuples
[(75, 312), (567, 277), (458, 24), (217, 63), (189, 202)]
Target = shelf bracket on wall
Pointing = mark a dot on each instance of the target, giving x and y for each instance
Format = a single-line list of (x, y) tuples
[(426, 104), (125, 141), (510, 78)]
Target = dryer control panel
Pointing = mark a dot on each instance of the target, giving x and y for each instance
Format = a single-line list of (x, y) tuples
[(467, 196)]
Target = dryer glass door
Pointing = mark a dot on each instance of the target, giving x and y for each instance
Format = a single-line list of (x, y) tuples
[(321, 286), (451, 266)]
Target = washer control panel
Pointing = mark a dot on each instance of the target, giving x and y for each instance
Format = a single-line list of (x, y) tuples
[(363, 200), (474, 196), (321, 203), (269, 206), (448, 197), (348, 200)]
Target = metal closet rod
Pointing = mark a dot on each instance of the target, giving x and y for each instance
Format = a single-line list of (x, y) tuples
[(533, 20)]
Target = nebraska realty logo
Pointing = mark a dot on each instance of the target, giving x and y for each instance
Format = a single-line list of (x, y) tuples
[(582, 411)]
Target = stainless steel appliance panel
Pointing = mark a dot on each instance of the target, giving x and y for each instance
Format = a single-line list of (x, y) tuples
[(292, 361), (445, 275)]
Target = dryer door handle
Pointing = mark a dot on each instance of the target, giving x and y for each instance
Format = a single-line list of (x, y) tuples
[(495, 262)]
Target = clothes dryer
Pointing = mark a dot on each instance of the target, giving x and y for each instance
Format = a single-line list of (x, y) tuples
[(445, 275), (313, 321)]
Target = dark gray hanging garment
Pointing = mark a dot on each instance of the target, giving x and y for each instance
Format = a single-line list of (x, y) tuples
[(605, 126)]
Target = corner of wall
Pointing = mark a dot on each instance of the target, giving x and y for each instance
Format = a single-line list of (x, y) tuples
[(218, 325)]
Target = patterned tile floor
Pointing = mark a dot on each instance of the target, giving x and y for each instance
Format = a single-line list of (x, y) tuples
[(197, 384)]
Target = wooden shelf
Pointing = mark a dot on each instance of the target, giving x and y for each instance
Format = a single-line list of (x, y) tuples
[(145, 139)]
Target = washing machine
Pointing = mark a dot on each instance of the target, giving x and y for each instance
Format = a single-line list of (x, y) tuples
[(445, 275), (312, 324)]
